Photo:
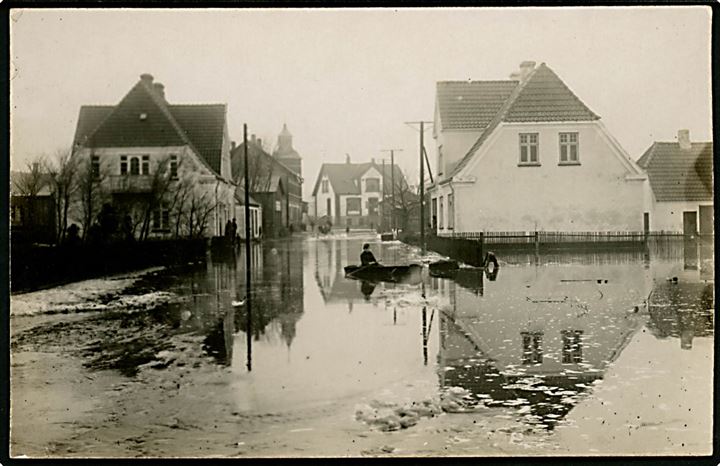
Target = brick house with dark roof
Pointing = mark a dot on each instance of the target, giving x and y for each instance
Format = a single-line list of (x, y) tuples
[(130, 141), (679, 189), (350, 194), (527, 154), (277, 187)]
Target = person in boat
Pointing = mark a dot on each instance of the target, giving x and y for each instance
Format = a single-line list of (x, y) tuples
[(367, 257)]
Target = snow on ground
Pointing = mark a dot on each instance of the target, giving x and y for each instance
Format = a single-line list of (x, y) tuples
[(86, 296)]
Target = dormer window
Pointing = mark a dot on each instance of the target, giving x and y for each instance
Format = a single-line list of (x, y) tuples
[(324, 186), (173, 167)]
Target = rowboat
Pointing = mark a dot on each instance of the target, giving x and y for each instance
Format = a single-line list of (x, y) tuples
[(382, 273), (443, 268)]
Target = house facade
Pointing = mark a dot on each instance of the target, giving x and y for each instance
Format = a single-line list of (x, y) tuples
[(275, 186), (289, 159), (32, 211), (528, 155), (678, 194), (174, 160), (350, 194)]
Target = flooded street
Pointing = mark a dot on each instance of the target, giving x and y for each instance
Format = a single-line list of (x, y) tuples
[(566, 354)]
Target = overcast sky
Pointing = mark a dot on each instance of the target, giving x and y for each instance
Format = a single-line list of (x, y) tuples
[(346, 81)]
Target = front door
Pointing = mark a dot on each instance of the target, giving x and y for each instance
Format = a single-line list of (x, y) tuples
[(689, 223), (706, 220)]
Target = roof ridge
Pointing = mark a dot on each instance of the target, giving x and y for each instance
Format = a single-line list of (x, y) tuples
[(499, 116), (197, 105), (478, 81)]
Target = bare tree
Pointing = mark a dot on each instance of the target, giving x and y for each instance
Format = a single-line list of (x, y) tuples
[(28, 184), (405, 203), (63, 174), (261, 167), (90, 177), (160, 183)]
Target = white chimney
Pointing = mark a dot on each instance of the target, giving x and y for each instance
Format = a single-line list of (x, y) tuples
[(684, 139)]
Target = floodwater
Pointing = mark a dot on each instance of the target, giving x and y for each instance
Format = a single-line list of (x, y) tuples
[(561, 354)]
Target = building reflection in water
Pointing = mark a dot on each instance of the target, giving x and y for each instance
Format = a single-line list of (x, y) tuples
[(277, 297), (538, 336)]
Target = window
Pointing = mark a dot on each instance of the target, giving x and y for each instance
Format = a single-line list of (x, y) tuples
[(173, 167), (372, 185), (325, 187), (572, 346), (134, 166), (145, 164), (372, 206), (16, 215), (161, 218), (434, 213), (529, 149), (123, 165), (569, 153), (451, 211), (278, 206), (532, 347), (95, 166), (327, 208), (441, 162), (353, 206), (442, 213)]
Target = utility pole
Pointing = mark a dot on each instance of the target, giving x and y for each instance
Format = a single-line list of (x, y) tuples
[(382, 222), (248, 291), (392, 182), (422, 182)]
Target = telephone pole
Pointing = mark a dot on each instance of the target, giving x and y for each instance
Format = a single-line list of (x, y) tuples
[(392, 183), (248, 262), (422, 181)]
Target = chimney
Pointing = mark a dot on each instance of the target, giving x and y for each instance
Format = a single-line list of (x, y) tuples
[(252, 138), (525, 68), (347, 158), (147, 78), (233, 145), (684, 139), (159, 89)]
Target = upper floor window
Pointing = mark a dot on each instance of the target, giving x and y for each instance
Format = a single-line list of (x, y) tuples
[(529, 149), (442, 212), (134, 166), (451, 211), (95, 166), (569, 151), (145, 164), (372, 185), (173, 167), (123, 165), (441, 161), (325, 186)]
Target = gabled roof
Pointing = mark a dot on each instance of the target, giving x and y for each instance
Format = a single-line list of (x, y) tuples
[(541, 97), (471, 104), (345, 177), (256, 152), (678, 174), (240, 197), (199, 126)]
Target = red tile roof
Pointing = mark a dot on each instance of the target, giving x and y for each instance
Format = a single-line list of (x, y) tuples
[(345, 177), (678, 174), (471, 104), (542, 96), (199, 126)]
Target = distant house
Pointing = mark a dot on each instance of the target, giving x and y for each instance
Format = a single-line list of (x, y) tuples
[(143, 138), (255, 215), (349, 194), (289, 157), (679, 189), (527, 154), (276, 187), (32, 208)]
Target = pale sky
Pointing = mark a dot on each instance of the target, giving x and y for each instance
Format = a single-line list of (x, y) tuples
[(345, 81)]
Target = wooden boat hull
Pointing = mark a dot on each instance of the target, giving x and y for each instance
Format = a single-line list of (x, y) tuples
[(383, 273)]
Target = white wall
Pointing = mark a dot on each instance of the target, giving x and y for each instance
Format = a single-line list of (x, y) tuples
[(455, 144), (320, 199), (592, 196), (668, 216)]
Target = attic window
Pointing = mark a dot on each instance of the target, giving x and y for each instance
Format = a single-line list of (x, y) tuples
[(143, 116)]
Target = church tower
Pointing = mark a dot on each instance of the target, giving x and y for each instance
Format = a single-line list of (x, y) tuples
[(285, 153)]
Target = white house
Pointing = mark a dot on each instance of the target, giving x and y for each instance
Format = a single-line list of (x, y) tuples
[(130, 143), (526, 154), (678, 194), (350, 193)]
